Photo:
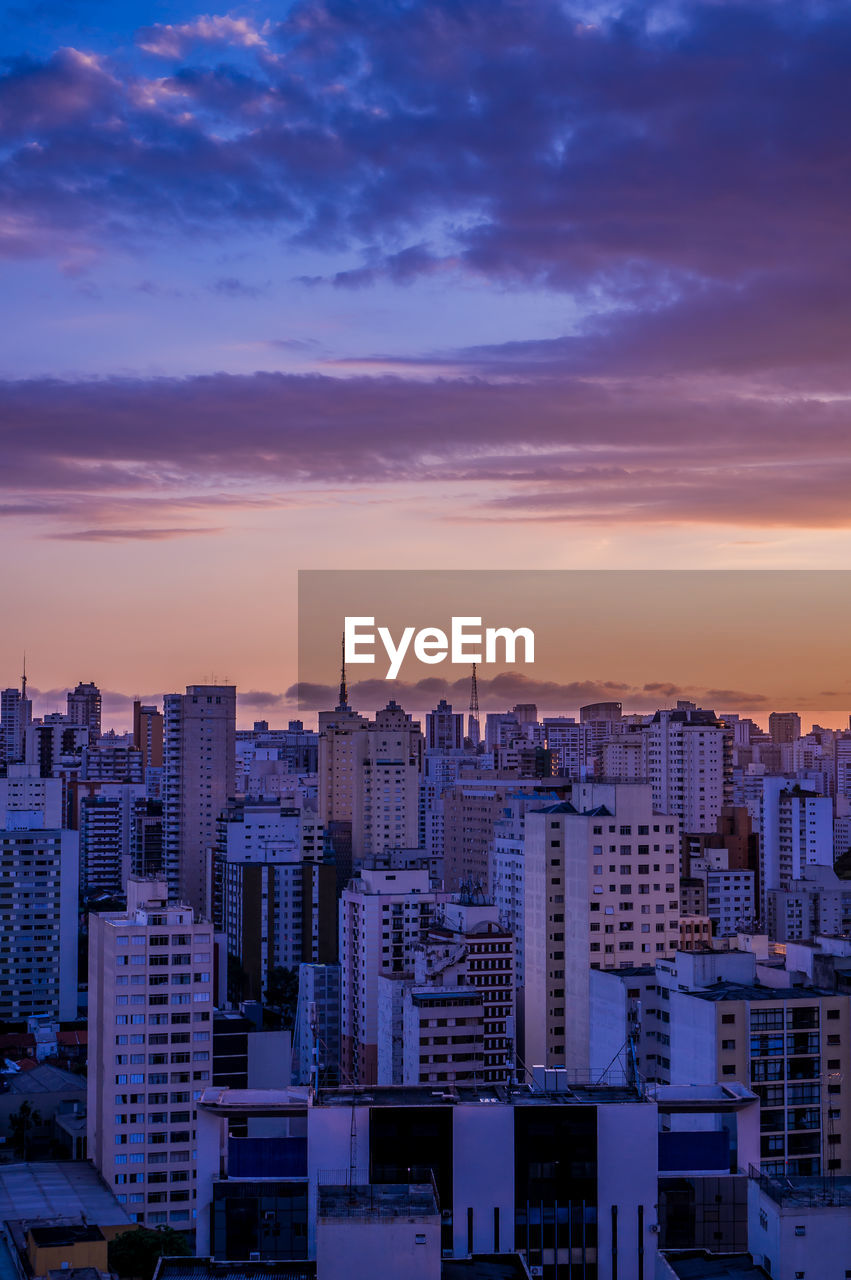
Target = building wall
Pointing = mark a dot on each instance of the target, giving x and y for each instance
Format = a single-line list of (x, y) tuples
[(150, 1052)]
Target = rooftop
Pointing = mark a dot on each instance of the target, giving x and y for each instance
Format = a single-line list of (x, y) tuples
[(57, 1189), (209, 1269), (701, 1097), (755, 991), (707, 1266), (378, 1200), (812, 1193), (68, 1233), (492, 1266), (46, 1079)]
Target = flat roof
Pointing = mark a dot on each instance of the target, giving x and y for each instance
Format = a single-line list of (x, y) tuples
[(419, 1095), (57, 1189), (707, 1266), (756, 991), (68, 1233), (377, 1200), (702, 1097), (492, 1266), (209, 1269)]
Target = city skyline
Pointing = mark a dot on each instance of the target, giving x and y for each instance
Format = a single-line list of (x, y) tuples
[(482, 284)]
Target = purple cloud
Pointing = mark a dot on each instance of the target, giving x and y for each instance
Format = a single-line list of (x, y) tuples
[(634, 450)]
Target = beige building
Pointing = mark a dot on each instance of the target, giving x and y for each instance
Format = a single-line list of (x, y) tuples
[(601, 891), (369, 775), (150, 1051)]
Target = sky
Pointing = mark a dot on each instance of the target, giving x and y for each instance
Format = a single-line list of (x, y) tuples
[(356, 284)]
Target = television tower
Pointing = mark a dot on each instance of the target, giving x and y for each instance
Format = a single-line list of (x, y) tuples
[(344, 692), (473, 729)]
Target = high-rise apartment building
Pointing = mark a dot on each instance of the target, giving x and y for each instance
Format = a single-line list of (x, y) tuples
[(148, 734), (199, 760), (15, 715), (106, 830), (796, 833), (369, 774), (274, 896), (150, 1050), (784, 726), (38, 903), (444, 729), (689, 762), (601, 891), (84, 708), (384, 915)]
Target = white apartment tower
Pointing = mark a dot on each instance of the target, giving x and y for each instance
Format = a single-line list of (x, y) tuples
[(199, 757), (688, 763), (384, 915), (150, 1050), (601, 891)]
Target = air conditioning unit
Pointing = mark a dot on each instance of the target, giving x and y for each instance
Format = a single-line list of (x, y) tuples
[(254, 1256)]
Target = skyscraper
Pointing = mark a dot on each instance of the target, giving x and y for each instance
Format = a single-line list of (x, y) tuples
[(84, 707), (16, 713), (148, 734), (38, 901), (199, 759), (150, 1047)]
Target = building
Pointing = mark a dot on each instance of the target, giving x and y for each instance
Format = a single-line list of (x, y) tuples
[(317, 1046), (444, 729), (799, 1228), (689, 763), (784, 726), (275, 896), (106, 821), (150, 1051), (38, 906), (601, 891), (148, 734), (15, 716), (24, 790), (384, 915), (817, 903), (790, 1045), (496, 1156), (796, 833), (199, 761), (84, 708), (369, 775)]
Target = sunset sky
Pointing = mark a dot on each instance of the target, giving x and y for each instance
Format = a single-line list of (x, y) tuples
[(408, 284)]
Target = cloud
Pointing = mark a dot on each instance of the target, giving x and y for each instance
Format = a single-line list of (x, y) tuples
[(176, 40), (589, 452), (128, 535), (232, 287), (636, 159), (508, 689), (262, 699)]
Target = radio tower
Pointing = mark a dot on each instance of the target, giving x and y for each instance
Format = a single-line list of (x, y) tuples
[(473, 730), (344, 692)]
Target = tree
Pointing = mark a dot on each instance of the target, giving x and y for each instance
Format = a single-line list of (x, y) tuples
[(282, 992), (136, 1253), (21, 1122)]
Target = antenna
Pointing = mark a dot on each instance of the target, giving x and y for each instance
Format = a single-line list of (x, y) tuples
[(473, 729), (344, 692), (24, 679)]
